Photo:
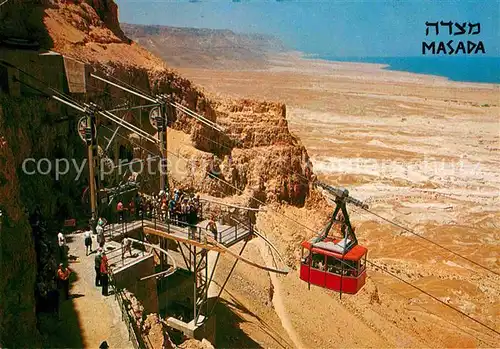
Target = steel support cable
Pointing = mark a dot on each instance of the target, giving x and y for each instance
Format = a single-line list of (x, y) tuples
[(68, 100), (410, 231), (404, 228), (124, 125), (146, 95), (141, 91), (196, 116), (391, 222), (72, 103), (132, 91), (132, 142), (432, 242), (385, 219), (128, 125), (269, 243), (133, 108), (389, 273), (108, 94), (174, 263), (433, 297), (234, 206), (154, 156), (136, 162), (245, 260), (261, 202)]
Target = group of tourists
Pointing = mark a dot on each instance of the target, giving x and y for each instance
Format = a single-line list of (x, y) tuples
[(180, 208), (87, 235), (100, 260)]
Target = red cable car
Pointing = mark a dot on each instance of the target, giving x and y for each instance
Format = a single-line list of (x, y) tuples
[(336, 263)]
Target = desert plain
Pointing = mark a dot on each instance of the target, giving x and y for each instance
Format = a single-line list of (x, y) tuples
[(421, 151)]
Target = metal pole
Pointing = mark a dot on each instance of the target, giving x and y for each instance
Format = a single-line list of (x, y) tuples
[(195, 279), (227, 279), (90, 143), (162, 136), (341, 276)]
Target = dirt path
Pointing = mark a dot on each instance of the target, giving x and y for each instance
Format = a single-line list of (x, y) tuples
[(277, 297), (99, 317)]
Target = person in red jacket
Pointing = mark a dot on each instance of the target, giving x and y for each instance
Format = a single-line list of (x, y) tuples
[(131, 208), (63, 278), (119, 209), (104, 274)]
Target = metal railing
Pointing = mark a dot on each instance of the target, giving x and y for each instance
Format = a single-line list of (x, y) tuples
[(158, 220), (134, 333)]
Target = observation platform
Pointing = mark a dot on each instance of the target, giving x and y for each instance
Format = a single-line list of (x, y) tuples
[(197, 235)]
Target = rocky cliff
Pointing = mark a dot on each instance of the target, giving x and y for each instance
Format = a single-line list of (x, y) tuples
[(257, 155), (28, 130)]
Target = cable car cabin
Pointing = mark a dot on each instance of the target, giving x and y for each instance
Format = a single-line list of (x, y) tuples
[(336, 263), (324, 264)]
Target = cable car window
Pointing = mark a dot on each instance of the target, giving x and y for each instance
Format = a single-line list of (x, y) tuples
[(306, 254), (362, 263), (318, 261), (334, 265), (351, 268)]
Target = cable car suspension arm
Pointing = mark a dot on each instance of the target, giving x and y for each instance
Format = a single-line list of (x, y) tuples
[(340, 197)]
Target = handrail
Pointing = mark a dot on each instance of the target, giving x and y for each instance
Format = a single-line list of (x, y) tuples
[(134, 333)]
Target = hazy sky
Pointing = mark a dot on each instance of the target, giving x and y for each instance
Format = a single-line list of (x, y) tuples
[(336, 28)]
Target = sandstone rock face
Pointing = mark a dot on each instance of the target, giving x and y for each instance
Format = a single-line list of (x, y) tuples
[(156, 332), (27, 130), (194, 344), (256, 153)]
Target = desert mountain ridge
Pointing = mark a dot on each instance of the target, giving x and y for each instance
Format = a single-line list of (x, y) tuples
[(202, 47)]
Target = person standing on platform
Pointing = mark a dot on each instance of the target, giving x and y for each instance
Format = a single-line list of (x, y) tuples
[(100, 235), (138, 206), (97, 267), (212, 226), (61, 241), (119, 209), (192, 220), (126, 246), (104, 274), (87, 235)]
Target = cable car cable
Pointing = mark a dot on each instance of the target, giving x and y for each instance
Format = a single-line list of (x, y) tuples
[(433, 297), (341, 261), (385, 219), (432, 242), (445, 320), (369, 211), (441, 254)]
